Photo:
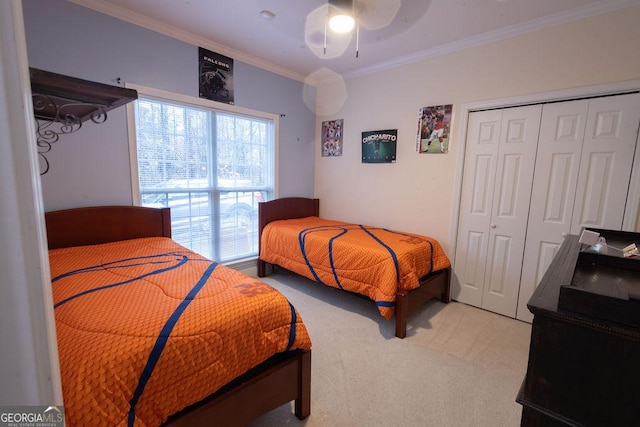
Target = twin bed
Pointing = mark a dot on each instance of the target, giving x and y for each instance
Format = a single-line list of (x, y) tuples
[(150, 333), (398, 271)]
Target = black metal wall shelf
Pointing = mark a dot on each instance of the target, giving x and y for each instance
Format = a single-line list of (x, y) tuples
[(62, 103)]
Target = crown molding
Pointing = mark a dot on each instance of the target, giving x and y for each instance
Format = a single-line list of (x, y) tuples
[(603, 6), (185, 36), (593, 9)]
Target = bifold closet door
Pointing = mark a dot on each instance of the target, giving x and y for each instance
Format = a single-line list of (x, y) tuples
[(583, 170), (496, 190), (483, 139), (553, 194), (606, 162)]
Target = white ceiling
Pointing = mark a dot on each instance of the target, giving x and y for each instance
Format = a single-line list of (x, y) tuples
[(392, 32)]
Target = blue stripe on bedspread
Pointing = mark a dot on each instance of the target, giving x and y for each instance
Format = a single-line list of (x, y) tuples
[(384, 245), (301, 240), (162, 339), (292, 327), (182, 259), (413, 237), (112, 265), (343, 229)]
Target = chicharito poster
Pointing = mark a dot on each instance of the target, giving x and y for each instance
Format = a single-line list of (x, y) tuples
[(215, 76), (379, 146)]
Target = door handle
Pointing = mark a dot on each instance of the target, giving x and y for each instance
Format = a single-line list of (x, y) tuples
[(493, 226)]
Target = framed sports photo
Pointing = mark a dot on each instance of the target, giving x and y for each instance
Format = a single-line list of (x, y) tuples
[(433, 129), (332, 138)]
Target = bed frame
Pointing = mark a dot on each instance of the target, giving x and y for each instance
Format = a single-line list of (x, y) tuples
[(436, 284), (281, 379)]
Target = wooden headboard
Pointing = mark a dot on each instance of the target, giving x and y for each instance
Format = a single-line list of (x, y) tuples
[(285, 208), (103, 224)]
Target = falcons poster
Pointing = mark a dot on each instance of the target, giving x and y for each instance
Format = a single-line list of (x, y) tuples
[(216, 76)]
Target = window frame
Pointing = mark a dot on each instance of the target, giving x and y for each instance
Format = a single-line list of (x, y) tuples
[(190, 101)]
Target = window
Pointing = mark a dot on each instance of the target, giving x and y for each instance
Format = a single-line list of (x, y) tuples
[(210, 166)]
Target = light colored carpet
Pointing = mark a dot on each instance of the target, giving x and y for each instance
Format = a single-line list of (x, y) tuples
[(458, 365)]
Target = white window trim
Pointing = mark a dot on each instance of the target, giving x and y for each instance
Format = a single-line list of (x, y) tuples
[(162, 95)]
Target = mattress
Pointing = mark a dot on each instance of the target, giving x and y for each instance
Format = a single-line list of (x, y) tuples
[(370, 261), (146, 328)]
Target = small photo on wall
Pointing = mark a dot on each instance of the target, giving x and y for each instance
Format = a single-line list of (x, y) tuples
[(379, 146), (433, 129), (332, 138)]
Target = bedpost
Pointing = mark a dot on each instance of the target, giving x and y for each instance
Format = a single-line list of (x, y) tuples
[(262, 268), (166, 222), (408, 302), (303, 402), (402, 312), (446, 295)]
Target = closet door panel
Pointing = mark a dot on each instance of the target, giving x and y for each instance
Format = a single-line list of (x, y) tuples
[(514, 177), (631, 220), (553, 194), (483, 137), (562, 172), (497, 283), (607, 159), (470, 268)]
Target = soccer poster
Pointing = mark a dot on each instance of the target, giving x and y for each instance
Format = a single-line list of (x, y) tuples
[(332, 138), (379, 146), (433, 129), (215, 76)]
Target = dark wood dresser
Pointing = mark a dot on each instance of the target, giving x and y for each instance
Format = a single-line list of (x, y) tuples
[(584, 369)]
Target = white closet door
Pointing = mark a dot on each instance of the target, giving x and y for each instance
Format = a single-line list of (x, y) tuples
[(483, 138), (607, 159), (583, 169), (553, 194), (631, 220), (499, 162), (508, 226)]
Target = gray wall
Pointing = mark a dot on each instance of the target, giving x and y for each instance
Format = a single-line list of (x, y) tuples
[(91, 166)]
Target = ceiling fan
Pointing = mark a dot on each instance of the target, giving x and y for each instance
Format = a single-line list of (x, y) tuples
[(334, 22), (341, 18), (341, 15)]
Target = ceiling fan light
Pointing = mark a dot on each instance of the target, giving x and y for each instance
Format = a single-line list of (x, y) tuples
[(342, 23)]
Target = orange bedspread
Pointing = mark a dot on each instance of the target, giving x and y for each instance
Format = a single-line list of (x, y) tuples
[(146, 327), (367, 260)]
